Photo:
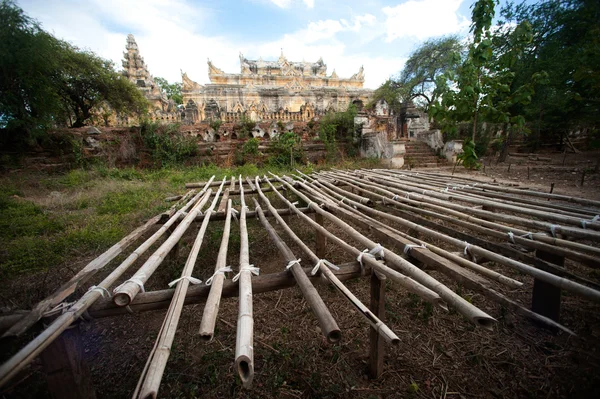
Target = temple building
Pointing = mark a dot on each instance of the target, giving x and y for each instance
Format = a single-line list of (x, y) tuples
[(136, 70), (279, 90)]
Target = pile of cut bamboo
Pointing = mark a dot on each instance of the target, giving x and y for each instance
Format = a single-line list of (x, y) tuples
[(453, 225)]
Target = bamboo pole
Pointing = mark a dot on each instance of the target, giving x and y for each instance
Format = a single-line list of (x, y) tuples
[(555, 245), (463, 190), (354, 206), (472, 313), (554, 229), (149, 381), (406, 282), (468, 279), (329, 327), (563, 283), (124, 294), (46, 337), (381, 328), (82, 276), (244, 352), (224, 200), (211, 309), (448, 195), (566, 198)]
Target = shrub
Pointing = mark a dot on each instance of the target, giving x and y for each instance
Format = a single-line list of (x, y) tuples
[(287, 150), (166, 144)]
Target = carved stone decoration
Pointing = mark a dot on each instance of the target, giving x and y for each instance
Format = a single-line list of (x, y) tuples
[(188, 84), (213, 70)]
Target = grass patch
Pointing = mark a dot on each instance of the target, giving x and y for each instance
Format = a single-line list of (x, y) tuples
[(50, 220)]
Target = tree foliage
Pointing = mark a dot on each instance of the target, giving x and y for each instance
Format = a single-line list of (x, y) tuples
[(46, 82), (172, 90), (425, 65)]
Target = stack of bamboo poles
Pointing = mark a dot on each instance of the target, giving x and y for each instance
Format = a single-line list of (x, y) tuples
[(403, 209)]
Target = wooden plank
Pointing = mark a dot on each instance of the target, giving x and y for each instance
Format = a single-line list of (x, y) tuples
[(67, 372), (376, 342)]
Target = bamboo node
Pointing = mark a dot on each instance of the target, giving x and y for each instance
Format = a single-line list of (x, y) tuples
[(136, 280), (191, 279), (222, 271), (249, 268), (292, 263), (103, 291), (323, 262)]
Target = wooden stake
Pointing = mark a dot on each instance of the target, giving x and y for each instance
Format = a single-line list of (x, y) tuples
[(376, 347), (66, 370), (321, 238), (546, 297)]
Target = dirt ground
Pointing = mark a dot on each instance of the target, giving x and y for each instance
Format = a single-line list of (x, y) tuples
[(440, 355)]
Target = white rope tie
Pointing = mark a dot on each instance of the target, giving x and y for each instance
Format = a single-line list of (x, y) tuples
[(592, 220), (511, 237), (191, 279), (466, 250), (292, 263), (234, 214), (396, 197), (377, 250), (249, 268), (407, 195), (103, 291), (445, 190), (408, 247), (136, 280), (323, 262), (553, 230), (222, 271)]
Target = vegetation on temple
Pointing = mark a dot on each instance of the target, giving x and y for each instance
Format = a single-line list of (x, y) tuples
[(172, 90), (48, 82)]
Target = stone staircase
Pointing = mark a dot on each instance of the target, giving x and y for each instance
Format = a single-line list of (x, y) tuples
[(420, 155)]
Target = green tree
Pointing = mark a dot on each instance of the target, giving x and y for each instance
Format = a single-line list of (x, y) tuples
[(566, 46), (484, 88), (28, 99), (86, 82), (425, 65), (391, 92), (172, 90), (45, 81)]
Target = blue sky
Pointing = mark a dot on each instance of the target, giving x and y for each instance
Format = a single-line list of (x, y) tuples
[(176, 35)]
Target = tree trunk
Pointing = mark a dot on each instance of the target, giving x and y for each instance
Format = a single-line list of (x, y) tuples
[(506, 145)]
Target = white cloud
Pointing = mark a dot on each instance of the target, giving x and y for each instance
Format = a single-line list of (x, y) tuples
[(287, 3), (423, 19), (169, 39)]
